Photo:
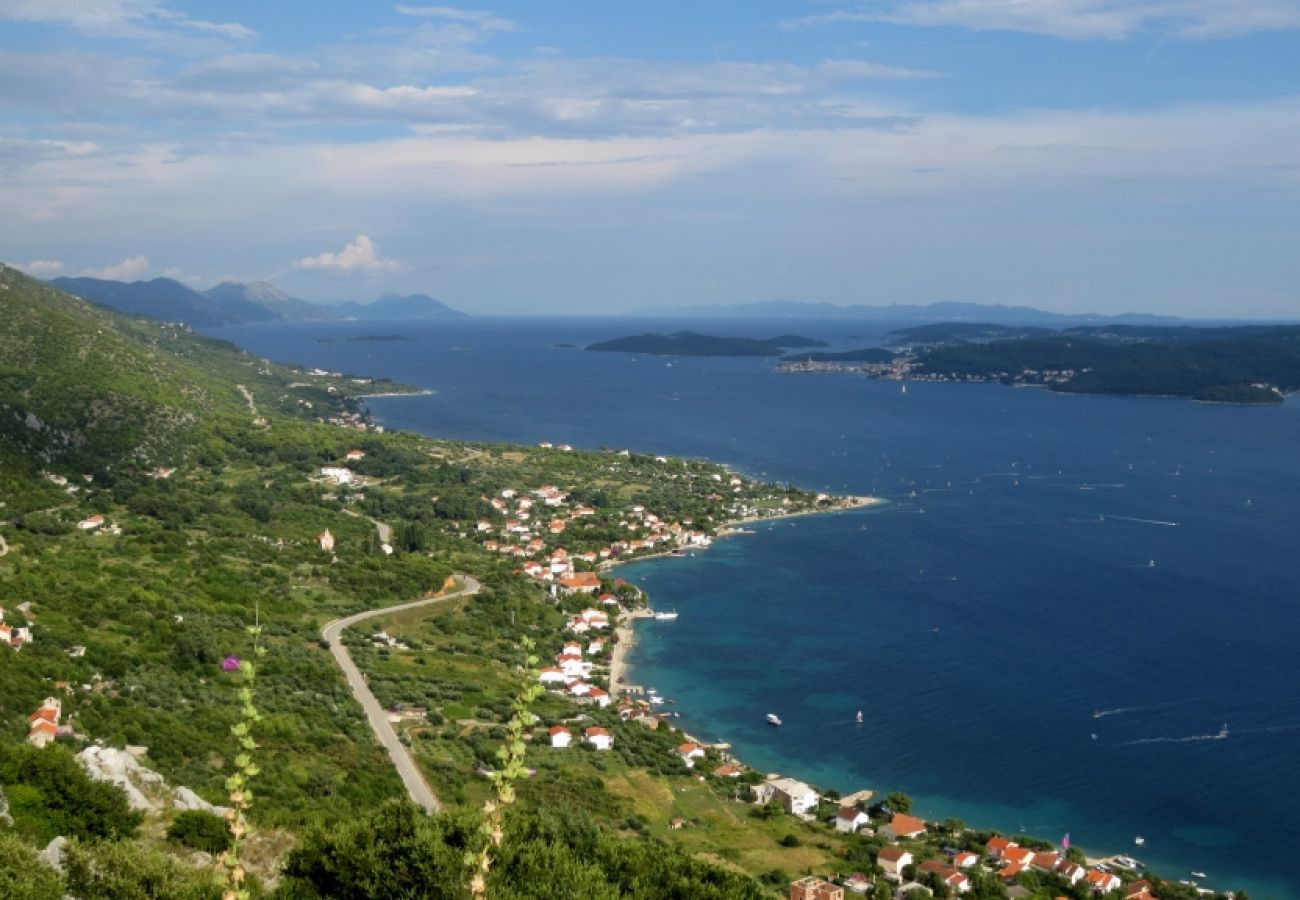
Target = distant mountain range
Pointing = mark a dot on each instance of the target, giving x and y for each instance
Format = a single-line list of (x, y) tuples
[(233, 303), (945, 311)]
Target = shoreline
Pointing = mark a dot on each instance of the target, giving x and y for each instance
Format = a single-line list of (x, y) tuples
[(422, 392), (626, 632)]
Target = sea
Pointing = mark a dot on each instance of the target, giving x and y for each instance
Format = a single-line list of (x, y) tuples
[(1073, 615)]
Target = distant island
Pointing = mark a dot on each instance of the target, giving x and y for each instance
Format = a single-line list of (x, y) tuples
[(233, 303), (1243, 364), (943, 311), (379, 338), (689, 343)]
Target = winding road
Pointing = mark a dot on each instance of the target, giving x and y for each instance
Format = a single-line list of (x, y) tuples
[(332, 633)]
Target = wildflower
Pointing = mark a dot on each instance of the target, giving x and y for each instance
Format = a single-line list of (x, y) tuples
[(230, 663)]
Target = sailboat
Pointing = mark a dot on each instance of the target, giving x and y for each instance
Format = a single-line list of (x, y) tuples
[(859, 717), (904, 390)]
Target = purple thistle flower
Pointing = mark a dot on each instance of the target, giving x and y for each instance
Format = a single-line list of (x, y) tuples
[(230, 663)]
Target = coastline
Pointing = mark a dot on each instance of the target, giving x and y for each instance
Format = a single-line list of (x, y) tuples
[(422, 392)]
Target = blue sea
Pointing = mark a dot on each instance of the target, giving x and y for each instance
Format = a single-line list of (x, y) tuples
[(1047, 627)]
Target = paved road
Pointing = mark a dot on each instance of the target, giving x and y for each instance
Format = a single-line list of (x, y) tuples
[(416, 786)]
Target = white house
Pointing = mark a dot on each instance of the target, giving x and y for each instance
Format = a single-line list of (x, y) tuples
[(600, 738), (689, 753), (850, 819), (552, 675), (561, 737), (893, 859), (580, 688), (337, 474), (599, 696), (794, 796), (90, 523)]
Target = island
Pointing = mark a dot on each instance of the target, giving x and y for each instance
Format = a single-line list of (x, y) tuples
[(1247, 364), (690, 343)]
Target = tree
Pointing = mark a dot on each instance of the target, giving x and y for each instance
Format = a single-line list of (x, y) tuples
[(22, 877), (899, 802), (200, 830), (954, 825)]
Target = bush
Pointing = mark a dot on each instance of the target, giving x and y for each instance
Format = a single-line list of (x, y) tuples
[(200, 830)]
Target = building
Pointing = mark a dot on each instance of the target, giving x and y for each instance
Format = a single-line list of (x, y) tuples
[(598, 737), (893, 860), (794, 796), (813, 888), (325, 541), (903, 826), (850, 820), (90, 523), (561, 737), (689, 753), (957, 882)]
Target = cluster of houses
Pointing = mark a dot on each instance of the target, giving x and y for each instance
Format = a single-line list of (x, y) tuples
[(15, 636), (599, 738), (43, 725), (571, 669), (899, 863), (529, 518)]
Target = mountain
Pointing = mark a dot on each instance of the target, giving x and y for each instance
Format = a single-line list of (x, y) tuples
[(946, 311), (167, 300), (270, 298), (394, 306)]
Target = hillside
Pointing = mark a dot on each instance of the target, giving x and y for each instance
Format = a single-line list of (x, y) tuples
[(132, 617), (942, 311), (261, 296), (166, 300)]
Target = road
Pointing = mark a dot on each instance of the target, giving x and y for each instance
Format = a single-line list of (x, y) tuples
[(332, 633)]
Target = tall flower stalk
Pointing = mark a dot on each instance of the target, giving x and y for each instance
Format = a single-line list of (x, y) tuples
[(237, 783), (511, 757)]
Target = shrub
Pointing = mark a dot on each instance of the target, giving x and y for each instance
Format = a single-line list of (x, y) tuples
[(200, 830)]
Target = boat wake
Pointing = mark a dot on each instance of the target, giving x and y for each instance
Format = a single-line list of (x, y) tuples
[(1221, 735), (1143, 521)]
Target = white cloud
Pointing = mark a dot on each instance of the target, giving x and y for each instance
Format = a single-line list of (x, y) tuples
[(143, 19), (485, 20), (126, 270), (1081, 19), (42, 267), (855, 69), (359, 256)]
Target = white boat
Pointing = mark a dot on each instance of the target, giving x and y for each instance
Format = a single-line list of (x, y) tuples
[(656, 700), (666, 616), (1196, 874), (859, 717), (773, 719), (1139, 840)]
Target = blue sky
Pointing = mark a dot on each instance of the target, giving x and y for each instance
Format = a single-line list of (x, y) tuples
[(1075, 155)]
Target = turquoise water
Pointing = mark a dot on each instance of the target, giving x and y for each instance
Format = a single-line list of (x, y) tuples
[(1049, 568)]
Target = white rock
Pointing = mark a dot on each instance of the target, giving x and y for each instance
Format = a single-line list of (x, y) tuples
[(53, 853), (187, 799)]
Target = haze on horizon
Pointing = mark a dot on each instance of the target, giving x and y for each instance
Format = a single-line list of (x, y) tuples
[(1076, 156)]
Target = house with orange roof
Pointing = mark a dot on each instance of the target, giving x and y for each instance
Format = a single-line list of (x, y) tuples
[(354, 455), (90, 523), (598, 696), (1046, 861), (560, 736), (956, 881), (727, 771), (598, 737), (811, 887), (552, 675), (1011, 870), (903, 826), (580, 583), (893, 859), (966, 860), (42, 733), (1139, 890), (997, 845), (1102, 882), (325, 541), (689, 753), (1072, 872)]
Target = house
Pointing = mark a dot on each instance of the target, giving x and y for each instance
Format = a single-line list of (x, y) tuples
[(561, 737), (903, 826), (794, 796), (1045, 861), (580, 583), (893, 859), (90, 523), (580, 689), (858, 883), (677, 824), (813, 888), (1011, 870), (1072, 872), (354, 455), (1102, 882), (996, 846), (42, 733), (956, 881), (598, 696), (325, 541), (689, 753), (965, 860), (727, 771), (1139, 890), (850, 820), (552, 675), (598, 737), (337, 474)]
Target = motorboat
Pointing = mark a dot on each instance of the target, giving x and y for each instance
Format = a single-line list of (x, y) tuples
[(773, 719)]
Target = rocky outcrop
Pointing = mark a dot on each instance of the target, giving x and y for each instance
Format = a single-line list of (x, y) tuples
[(145, 789)]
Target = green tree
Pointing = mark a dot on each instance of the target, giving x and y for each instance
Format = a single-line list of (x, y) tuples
[(22, 877), (899, 802), (200, 830)]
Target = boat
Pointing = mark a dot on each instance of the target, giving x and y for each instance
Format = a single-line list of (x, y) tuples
[(1223, 732), (656, 700), (904, 390), (1096, 714), (1140, 841), (666, 616), (1196, 874), (859, 717), (773, 719)]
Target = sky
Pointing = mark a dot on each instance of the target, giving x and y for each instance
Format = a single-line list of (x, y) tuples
[(596, 157)]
